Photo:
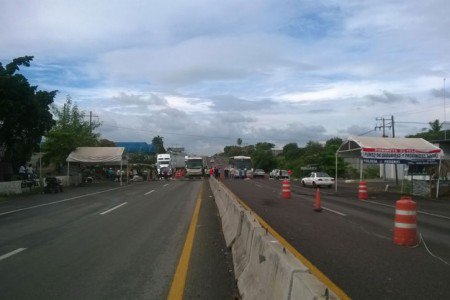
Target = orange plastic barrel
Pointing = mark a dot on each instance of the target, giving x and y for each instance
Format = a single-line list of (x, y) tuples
[(362, 191), (405, 229), (286, 189)]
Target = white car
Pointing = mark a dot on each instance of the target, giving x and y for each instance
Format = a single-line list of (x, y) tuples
[(318, 179), (259, 173)]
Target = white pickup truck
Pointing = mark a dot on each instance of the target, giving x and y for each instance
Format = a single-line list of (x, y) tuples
[(318, 179)]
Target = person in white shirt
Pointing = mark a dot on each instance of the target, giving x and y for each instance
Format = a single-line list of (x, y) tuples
[(23, 172), (30, 171)]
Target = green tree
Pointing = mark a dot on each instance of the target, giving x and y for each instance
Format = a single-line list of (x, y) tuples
[(239, 141), (264, 146), (24, 116), (71, 131), (435, 132), (262, 157), (142, 158), (106, 143), (158, 143), (291, 151)]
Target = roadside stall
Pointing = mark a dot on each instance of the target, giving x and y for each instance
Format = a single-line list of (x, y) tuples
[(98, 156), (413, 152)]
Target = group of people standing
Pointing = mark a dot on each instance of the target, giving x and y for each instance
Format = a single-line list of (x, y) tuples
[(26, 172)]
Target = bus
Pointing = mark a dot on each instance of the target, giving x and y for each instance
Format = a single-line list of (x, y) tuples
[(194, 166), (241, 166)]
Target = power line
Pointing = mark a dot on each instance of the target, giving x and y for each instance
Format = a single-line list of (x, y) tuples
[(364, 133), (199, 136)]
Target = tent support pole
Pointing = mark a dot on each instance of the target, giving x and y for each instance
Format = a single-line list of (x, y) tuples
[(336, 174), (121, 173), (360, 169), (439, 180)]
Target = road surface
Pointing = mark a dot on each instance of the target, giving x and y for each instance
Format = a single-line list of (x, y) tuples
[(350, 241), (110, 242)]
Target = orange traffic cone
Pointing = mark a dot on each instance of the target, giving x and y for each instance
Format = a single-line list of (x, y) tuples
[(318, 207)]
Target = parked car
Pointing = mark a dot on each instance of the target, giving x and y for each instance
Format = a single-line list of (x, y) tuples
[(259, 173), (318, 179)]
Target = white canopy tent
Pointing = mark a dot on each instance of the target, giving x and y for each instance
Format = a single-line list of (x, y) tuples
[(98, 156), (379, 150)]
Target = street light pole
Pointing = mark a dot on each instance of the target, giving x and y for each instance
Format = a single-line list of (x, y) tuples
[(445, 115)]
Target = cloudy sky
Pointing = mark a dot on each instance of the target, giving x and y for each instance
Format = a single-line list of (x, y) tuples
[(204, 73)]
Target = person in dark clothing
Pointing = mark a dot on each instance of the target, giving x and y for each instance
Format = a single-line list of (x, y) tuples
[(216, 172)]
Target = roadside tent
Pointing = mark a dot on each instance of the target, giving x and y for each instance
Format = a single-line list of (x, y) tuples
[(379, 150), (97, 156)]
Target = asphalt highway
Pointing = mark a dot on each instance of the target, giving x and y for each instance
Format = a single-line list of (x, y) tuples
[(111, 242), (350, 241)]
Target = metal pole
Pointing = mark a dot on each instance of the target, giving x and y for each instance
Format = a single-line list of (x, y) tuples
[(336, 177), (120, 173), (41, 183), (445, 115), (360, 169), (68, 173), (393, 136), (439, 180)]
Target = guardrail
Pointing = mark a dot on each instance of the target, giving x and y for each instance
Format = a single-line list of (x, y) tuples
[(264, 269)]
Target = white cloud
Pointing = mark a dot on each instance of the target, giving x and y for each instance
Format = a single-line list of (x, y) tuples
[(204, 73)]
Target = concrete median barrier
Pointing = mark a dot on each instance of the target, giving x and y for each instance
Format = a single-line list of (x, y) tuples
[(242, 246), (307, 286), (270, 271), (232, 221), (264, 269), (219, 195)]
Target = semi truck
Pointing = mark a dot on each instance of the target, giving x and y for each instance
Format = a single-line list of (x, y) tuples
[(194, 167), (164, 161)]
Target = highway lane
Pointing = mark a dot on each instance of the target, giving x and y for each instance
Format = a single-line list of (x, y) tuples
[(352, 241), (120, 243)]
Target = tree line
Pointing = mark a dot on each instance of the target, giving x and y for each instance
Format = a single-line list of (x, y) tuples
[(30, 122), (292, 157)]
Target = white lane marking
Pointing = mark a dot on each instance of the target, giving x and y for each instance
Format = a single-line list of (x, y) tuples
[(334, 211), (4, 256), (59, 201), (419, 211), (115, 207), (165, 185), (258, 185), (149, 192)]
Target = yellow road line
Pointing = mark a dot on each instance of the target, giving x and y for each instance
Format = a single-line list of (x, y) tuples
[(179, 280), (314, 270)]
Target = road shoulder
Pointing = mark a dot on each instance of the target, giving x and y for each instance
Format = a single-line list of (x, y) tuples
[(210, 274)]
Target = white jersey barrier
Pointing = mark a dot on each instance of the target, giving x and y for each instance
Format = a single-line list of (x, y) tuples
[(231, 213), (242, 247), (264, 269)]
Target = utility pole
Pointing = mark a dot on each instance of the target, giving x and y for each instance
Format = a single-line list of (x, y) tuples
[(393, 135), (90, 119), (445, 115), (383, 126)]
